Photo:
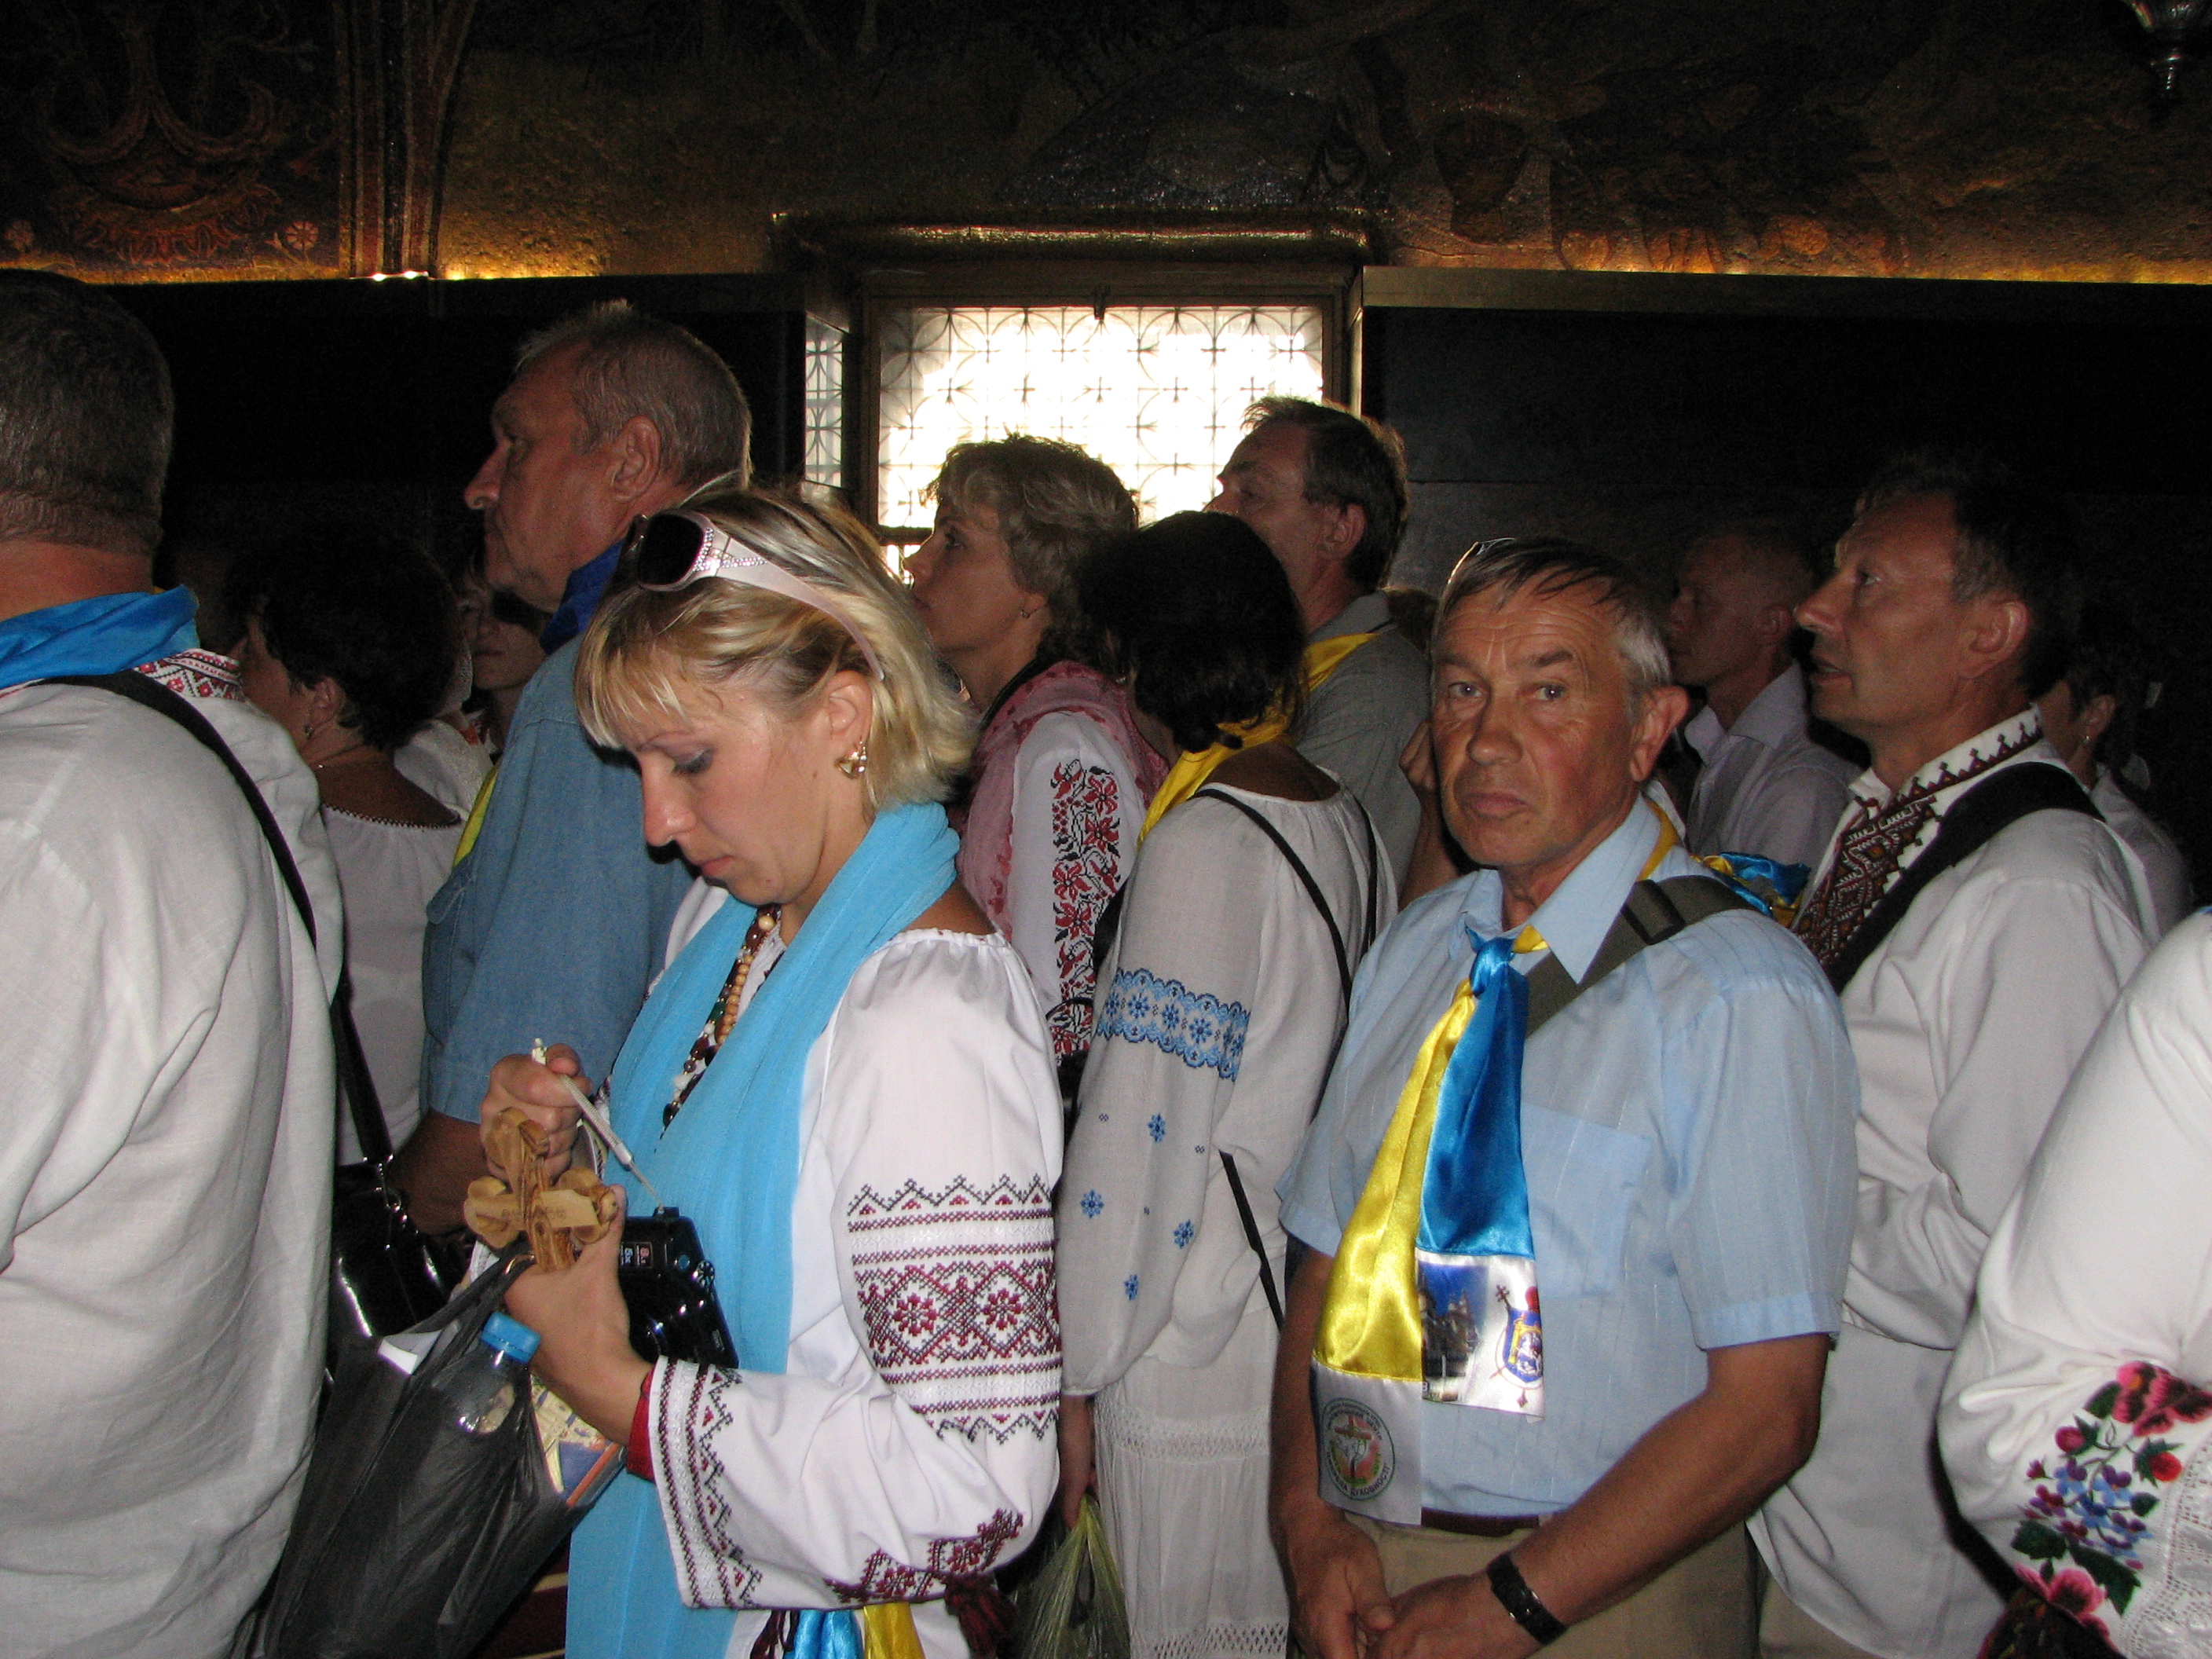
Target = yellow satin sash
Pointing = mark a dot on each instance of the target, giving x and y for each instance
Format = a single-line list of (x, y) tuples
[(475, 824), (1194, 765), (1370, 1316), (888, 1631)]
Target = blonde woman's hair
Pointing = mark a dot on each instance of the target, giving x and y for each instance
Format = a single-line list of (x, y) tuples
[(645, 651)]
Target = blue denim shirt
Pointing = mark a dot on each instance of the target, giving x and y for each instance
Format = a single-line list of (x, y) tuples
[(554, 924), (1687, 1131)]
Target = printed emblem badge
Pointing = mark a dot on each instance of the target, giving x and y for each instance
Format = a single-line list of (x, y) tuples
[(1362, 1460)]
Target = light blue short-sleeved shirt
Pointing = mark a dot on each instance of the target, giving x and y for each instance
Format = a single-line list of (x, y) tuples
[(1687, 1128)]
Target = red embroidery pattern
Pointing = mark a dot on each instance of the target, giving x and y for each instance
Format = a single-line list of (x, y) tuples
[(196, 673), (883, 1579), (1086, 871), (710, 1568), (1867, 856), (959, 1302)]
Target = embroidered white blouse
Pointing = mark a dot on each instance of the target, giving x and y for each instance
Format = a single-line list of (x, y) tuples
[(1965, 1022), (2078, 1421), (911, 1437), (1216, 1032), (1078, 809)]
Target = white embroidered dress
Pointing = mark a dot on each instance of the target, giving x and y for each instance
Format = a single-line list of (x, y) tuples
[(1216, 1034), (910, 1438)]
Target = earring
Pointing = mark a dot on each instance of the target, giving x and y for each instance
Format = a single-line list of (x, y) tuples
[(855, 765), (308, 730)]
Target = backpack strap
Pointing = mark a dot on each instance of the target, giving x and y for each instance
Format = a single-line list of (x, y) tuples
[(1305, 880), (1976, 818), (1654, 911), (353, 1077)]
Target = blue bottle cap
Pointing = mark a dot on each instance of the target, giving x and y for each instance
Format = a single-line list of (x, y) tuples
[(511, 1337)]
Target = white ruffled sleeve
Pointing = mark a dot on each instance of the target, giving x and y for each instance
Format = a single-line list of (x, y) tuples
[(911, 1439)]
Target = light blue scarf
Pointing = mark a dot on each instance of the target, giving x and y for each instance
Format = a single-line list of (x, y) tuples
[(730, 1161), (104, 636)]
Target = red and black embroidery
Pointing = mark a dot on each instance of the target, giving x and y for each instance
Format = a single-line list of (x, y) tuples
[(196, 673), (1086, 869), (883, 1579), (711, 1570), (959, 1302)]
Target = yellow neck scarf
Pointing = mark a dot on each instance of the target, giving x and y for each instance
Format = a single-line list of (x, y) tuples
[(1194, 765)]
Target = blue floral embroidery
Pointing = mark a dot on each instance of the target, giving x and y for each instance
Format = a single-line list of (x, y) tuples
[(1092, 1204), (1184, 1233), (1202, 1030), (1129, 1287), (1157, 1128)]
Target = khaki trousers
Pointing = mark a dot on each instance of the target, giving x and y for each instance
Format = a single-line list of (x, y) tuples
[(1701, 1608)]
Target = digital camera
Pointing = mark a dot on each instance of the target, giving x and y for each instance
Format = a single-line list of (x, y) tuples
[(669, 1285)]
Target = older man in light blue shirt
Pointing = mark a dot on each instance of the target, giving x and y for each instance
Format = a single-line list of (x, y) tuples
[(1685, 1133)]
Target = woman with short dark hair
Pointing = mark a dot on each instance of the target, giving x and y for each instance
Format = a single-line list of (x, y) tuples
[(1258, 887), (350, 641)]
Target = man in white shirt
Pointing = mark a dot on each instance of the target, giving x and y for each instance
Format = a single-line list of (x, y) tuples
[(166, 1129), (1326, 490), (1765, 787), (2090, 715), (1971, 984)]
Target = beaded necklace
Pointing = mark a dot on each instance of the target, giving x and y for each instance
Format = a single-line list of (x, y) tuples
[(724, 1017)]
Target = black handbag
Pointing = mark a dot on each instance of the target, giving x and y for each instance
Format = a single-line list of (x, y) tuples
[(386, 1273)]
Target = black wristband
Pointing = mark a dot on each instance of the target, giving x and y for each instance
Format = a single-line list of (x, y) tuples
[(1514, 1594)]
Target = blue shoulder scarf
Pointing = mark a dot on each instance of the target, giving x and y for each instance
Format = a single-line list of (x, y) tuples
[(730, 1162), (104, 636)]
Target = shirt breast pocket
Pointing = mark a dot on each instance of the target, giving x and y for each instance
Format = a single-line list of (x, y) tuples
[(1583, 1178)]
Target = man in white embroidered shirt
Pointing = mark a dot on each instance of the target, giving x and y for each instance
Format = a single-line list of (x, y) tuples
[(1681, 1182), (1978, 919), (1766, 786)]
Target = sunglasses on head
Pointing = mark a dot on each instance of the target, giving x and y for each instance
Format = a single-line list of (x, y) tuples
[(671, 550)]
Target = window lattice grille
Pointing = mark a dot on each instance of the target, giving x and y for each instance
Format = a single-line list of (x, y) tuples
[(1158, 392)]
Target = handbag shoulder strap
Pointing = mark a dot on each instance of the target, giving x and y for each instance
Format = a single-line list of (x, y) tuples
[(1974, 820), (1251, 1222), (1305, 880), (354, 1079)]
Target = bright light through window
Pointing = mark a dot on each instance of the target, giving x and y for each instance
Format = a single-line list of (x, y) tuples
[(1157, 393)]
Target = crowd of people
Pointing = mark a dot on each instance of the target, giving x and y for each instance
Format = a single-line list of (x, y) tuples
[(1453, 1150)]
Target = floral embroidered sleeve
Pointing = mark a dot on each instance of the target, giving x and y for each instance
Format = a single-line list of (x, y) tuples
[(2122, 1496), (1164, 1061), (2078, 1421), (1077, 813), (910, 1442)]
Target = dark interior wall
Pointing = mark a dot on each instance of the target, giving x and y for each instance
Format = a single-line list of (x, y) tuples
[(1633, 431), (295, 400)]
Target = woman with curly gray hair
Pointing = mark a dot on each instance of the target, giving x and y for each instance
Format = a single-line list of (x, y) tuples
[(1061, 775)]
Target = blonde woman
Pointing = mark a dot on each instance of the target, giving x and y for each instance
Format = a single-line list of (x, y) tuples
[(844, 1081)]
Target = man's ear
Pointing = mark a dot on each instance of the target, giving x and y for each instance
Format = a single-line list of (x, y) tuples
[(1663, 710), (1776, 625), (326, 700), (1348, 528), (633, 460), (2097, 719), (1995, 634)]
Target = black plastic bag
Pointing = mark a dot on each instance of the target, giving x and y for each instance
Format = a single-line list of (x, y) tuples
[(412, 1540)]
